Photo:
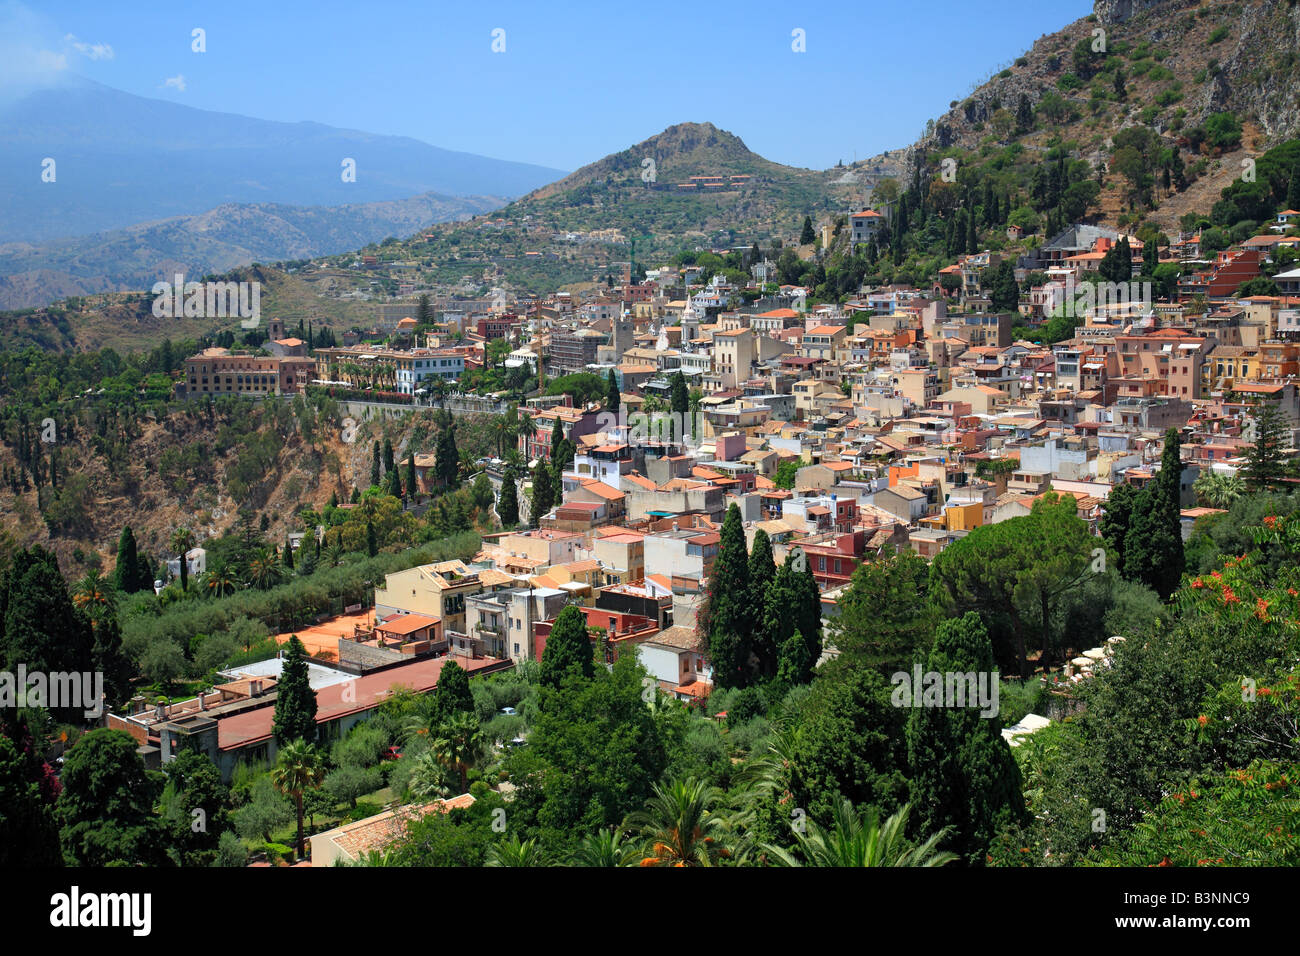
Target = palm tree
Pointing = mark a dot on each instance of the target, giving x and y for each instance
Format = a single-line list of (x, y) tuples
[(514, 852), (95, 595), (860, 839), (605, 848), (680, 825), (264, 570), (220, 581), (457, 744), (298, 768), (527, 430), (1215, 489), (182, 541), (429, 778), (502, 432)]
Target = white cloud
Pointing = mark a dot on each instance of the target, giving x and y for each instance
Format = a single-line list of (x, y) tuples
[(93, 51), (176, 82)]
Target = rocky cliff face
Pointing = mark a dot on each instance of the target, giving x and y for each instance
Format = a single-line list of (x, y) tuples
[(1240, 57)]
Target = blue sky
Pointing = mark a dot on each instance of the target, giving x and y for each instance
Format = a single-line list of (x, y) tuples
[(577, 80)]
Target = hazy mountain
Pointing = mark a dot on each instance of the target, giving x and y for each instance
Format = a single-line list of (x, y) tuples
[(122, 159), (223, 238)]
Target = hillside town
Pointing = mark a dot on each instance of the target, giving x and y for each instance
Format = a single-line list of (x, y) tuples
[(684, 509)]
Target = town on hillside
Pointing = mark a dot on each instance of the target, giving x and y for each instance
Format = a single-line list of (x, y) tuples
[(949, 520)]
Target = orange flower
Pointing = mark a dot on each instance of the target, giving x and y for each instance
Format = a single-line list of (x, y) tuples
[(1198, 583), (1229, 597), (1216, 575), (1270, 520), (1202, 720)]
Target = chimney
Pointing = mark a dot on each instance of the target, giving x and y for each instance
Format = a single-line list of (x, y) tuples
[(254, 688), (203, 703)]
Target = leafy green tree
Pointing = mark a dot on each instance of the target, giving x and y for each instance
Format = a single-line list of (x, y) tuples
[(886, 615), (29, 829), (848, 742), (963, 774), (568, 647), (295, 701), (106, 806), (1015, 573), (195, 807), (785, 474), (298, 768), (593, 756), (347, 784), (727, 619), (43, 630)]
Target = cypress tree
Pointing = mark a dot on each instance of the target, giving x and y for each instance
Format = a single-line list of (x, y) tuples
[(963, 774), (508, 501), (806, 235), (1153, 547), (395, 483), (126, 574), (410, 474), (543, 493), (452, 696), (762, 571), (374, 466), (295, 701), (567, 647), (1115, 521), (726, 621), (388, 456), (288, 553), (372, 543), (612, 397)]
